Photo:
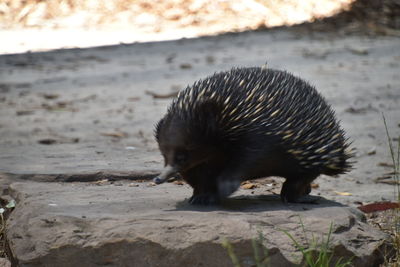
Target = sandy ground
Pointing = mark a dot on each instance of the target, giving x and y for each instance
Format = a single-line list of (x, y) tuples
[(80, 111)]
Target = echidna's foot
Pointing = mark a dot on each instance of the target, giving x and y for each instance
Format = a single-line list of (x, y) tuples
[(287, 199), (294, 192), (204, 199), (227, 187), (308, 199)]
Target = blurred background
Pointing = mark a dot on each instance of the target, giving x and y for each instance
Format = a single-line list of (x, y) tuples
[(39, 25)]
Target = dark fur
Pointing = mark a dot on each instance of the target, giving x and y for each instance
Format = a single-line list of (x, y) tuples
[(251, 123)]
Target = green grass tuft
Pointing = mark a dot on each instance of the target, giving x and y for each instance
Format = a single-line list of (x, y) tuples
[(228, 246), (395, 158), (317, 253), (394, 260)]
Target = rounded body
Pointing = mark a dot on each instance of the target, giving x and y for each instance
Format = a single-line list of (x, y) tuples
[(249, 123)]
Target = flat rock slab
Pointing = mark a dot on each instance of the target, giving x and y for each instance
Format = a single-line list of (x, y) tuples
[(139, 224)]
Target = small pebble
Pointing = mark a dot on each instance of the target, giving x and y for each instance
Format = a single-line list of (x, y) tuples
[(372, 151)]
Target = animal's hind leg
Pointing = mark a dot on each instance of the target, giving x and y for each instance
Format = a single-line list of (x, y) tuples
[(297, 189)]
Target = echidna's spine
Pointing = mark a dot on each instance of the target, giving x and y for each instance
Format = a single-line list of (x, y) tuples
[(270, 103)]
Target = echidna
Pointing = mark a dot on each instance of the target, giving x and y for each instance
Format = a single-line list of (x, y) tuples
[(249, 123)]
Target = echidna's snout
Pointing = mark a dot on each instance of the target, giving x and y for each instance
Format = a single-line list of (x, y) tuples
[(168, 172)]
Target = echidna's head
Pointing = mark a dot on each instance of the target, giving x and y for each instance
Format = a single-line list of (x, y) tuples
[(179, 146)]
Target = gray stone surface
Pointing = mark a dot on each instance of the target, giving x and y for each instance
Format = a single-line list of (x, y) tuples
[(137, 224)]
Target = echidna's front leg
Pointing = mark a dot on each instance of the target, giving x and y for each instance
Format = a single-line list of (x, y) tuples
[(202, 180), (204, 193), (204, 199), (234, 172)]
